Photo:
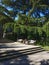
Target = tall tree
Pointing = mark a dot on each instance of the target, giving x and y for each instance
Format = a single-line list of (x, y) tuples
[(29, 8), (26, 9)]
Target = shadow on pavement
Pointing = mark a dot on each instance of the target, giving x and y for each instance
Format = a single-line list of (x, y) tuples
[(6, 41), (45, 62), (15, 59)]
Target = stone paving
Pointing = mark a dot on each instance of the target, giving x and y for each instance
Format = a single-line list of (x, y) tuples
[(41, 58), (14, 46)]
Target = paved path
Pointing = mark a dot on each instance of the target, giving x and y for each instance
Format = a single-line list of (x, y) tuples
[(41, 58), (14, 46)]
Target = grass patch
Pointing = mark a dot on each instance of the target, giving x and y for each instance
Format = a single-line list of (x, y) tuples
[(45, 47)]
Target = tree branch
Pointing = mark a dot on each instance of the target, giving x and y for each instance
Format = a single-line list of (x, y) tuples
[(33, 7)]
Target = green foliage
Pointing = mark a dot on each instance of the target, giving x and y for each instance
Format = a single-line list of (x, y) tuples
[(29, 24), (31, 6), (7, 27)]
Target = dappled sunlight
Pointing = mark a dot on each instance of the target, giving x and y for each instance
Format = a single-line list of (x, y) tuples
[(34, 59), (14, 60), (44, 62)]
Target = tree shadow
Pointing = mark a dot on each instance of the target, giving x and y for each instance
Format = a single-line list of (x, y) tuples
[(2, 40), (2, 45), (17, 58), (45, 62)]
